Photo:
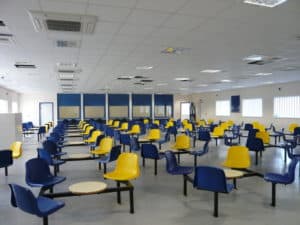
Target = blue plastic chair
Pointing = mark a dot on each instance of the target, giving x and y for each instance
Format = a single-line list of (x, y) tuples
[(150, 151), (200, 152), (6, 159), (24, 199), (212, 179), (285, 179), (52, 147), (44, 154), (256, 145), (38, 175), (166, 139), (174, 169), (125, 140), (110, 157)]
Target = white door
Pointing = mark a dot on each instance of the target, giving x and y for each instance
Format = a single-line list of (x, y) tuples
[(46, 112), (185, 110)]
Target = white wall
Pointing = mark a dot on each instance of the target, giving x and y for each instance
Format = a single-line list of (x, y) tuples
[(10, 96), (29, 104), (207, 110)]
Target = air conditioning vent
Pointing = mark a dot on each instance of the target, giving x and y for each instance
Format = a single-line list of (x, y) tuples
[(67, 44), (66, 71), (61, 25), (265, 3), (49, 21), (24, 66)]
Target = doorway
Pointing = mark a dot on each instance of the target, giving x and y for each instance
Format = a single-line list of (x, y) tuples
[(46, 112), (185, 110)]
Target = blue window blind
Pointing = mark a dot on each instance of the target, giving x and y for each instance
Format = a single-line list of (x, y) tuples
[(94, 99), (118, 99), (141, 99)]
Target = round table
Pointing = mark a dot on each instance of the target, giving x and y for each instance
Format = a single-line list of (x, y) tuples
[(233, 174), (87, 187), (79, 156)]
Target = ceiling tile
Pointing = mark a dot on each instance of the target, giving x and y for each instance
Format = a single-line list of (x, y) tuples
[(145, 17), (107, 13), (161, 5)]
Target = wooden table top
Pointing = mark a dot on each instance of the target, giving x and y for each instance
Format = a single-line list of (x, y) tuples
[(87, 187), (230, 174)]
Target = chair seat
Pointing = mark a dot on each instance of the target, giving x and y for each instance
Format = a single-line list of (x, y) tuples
[(277, 178), (48, 183), (48, 206), (104, 159), (182, 170), (120, 176), (59, 154), (197, 153), (58, 162)]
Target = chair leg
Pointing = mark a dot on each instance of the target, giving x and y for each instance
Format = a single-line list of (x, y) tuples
[(131, 200), (99, 166), (104, 168), (216, 204), (256, 157), (144, 162), (6, 171), (118, 193), (185, 185), (273, 195), (195, 161), (155, 167), (45, 220), (159, 146), (178, 158), (55, 170)]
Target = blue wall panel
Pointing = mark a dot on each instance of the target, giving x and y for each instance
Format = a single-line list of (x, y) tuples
[(94, 99), (141, 99), (118, 99), (163, 99), (68, 99)]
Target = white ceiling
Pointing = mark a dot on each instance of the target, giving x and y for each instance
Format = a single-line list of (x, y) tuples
[(216, 34)]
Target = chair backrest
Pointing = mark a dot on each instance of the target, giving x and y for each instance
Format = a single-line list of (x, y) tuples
[(98, 139), (109, 122), (125, 139), (210, 179), (182, 142), (204, 135), (218, 131), (149, 151), (94, 135), (135, 129), (248, 126), (264, 136), (134, 144), (154, 134), (255, 144), (50, 146), (188, 126), (124, 126), (116, 123), (292, 126), (128, 163), (37, 171), (114, 153), (16, 148), (291, 169), (237, 157), (171, 161), (44, 154), (296, 131), (6, 158), (106, 144), (24, 199)]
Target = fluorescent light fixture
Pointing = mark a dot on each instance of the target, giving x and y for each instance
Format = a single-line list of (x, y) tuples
[(144, 67), (182, 79), (148, 88), (254, 58), (183, 89), (202, 85), (263, 74), (265, 3), (211, 71), (268, 82), (162, 84), (66, 75), (239, 86), (226, 81)]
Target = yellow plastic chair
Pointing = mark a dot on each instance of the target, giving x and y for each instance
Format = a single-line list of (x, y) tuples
[(217, 133), (146, 121), (127, 168), (292, 127), (124, 126), (230, 122), (210, 121), (104, 147), (201, 123), (225, 125), (188, 126), (116, 124), (135, 129), (154, 134), (238, 157), (94, 136), (264, 136), (87, 130), (182, 142), (156, 122), (169, 124), (84, 127), (109, 122), (16, 148)]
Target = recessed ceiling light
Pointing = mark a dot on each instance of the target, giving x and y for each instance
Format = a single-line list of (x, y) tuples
[(202, 85), (66, 75), (226, 81), (182, 89), (263, 74), (265, 3), (239, 86), (144, 67), (148, 88), (211, 71), (215, 89), (182, 79), (268, 82), (162, 84)]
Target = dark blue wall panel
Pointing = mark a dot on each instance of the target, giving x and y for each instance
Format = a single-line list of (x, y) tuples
[(68, 99), (118, 99), (163, 99), (94, 99), (141, 99)]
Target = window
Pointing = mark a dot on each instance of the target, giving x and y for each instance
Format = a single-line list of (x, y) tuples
[(14, 107), (287, 107), (252, 107), (185, 110), (163, 111), (223, 108), (3, 106), (141, 111)]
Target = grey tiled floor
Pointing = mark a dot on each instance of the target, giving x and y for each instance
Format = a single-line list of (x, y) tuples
[(159, 199)]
